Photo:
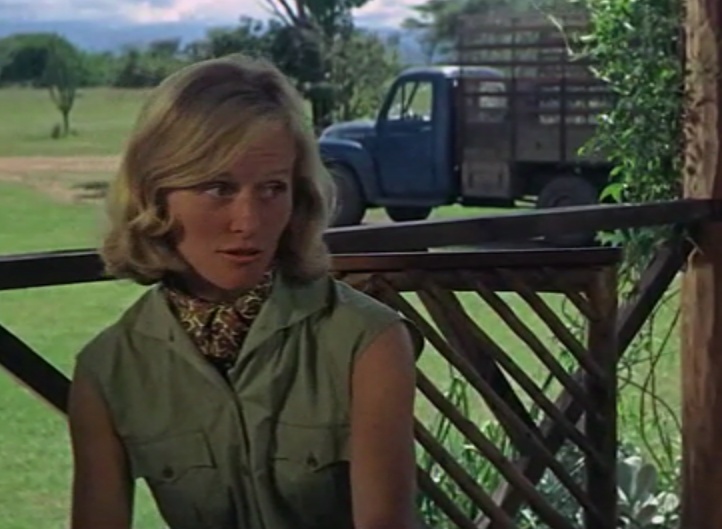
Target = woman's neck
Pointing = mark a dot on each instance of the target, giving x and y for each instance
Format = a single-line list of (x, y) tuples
[(198, 287)]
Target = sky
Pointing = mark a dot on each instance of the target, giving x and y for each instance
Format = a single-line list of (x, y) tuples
[(375, 12)]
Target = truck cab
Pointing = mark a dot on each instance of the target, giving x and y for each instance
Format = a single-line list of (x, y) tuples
[(404, 159)]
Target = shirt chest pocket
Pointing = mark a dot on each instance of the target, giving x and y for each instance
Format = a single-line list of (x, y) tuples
[(183, 478), (311, 472)]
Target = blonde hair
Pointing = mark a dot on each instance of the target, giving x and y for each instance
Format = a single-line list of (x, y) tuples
[(192, 127)]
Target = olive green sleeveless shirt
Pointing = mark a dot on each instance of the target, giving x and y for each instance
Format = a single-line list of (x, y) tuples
[(269, 447)]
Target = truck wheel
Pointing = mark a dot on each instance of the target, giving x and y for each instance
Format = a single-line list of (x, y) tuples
[(349, 205), (407, 213), (564, 191)]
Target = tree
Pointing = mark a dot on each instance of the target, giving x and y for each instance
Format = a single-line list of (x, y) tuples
[(6, 56), (61, 76), (251, 37), (435, 24), (311, 32), (304, 59), (99, 69), (436, 20), (164, 48), (362, 66), (146, 67), (25, 57), (327, 18)]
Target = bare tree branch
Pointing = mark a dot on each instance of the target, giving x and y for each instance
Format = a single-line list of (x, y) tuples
[(301, 10), (285, 12), (272, 9)]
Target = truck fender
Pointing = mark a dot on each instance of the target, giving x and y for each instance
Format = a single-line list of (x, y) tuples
[(354, 157)]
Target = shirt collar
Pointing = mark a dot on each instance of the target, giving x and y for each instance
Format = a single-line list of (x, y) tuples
[(288, 303)]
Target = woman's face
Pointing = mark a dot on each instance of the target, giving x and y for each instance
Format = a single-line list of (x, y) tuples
[(228, 228)]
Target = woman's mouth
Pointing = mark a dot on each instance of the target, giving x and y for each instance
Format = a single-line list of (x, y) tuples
[(242, 256)]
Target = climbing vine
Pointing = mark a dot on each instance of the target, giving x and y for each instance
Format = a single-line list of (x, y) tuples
[(637, 47)]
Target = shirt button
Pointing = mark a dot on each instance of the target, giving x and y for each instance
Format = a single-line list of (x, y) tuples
[(311, 461), (167, 472)]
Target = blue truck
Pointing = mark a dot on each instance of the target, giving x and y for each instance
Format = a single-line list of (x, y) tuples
[(504, 124)]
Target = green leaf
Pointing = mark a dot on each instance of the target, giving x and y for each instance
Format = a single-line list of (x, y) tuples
[(646, 482), (612, 191), (643, 517)]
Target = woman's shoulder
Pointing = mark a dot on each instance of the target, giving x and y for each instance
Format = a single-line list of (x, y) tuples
[(112, 339), (347, 298), (355, 313)]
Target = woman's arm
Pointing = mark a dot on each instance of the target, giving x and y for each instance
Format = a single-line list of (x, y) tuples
[(383, 469), (102, 494)]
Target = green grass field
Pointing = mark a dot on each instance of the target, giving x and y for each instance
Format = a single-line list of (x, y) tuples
[(101, 119), (38, 214)]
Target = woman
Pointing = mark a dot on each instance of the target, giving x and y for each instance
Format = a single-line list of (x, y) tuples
[(248, 388)]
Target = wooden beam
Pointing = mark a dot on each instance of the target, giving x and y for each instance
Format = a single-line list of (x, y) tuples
[(654, 283), (50, 269), (84, 266), (601, 427), (56, 268), (630, 317), (702, 284), (33, 371), (80, 266), (517, 226)]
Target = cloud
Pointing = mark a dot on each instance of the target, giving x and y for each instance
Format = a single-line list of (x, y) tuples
[(179, 10), (387, 12), (36, 10), (377, 12)]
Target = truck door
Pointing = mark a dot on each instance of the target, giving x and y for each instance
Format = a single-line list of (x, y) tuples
[(405, 144)]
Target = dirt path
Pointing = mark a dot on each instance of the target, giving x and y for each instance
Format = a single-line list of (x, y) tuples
[(59, 164), (65, 178)]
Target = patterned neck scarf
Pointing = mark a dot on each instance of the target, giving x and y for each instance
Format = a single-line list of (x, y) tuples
[(218, 329)]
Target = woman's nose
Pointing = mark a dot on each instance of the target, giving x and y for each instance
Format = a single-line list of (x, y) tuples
[(245, 213)]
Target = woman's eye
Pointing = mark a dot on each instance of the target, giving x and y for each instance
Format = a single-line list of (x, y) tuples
[(273, 189), (219, 189)]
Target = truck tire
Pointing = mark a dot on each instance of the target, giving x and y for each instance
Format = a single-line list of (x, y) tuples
[(349, 204), (408, 213), (563, 191)]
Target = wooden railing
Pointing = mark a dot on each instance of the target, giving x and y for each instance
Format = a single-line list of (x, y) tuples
[(428, 289), (566, 403), (501, 386)]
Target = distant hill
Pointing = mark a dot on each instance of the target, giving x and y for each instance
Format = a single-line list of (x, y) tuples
[(97, 36)]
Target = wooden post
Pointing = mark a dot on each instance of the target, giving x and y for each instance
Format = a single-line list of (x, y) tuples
[(601, 427), (702, 285)]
